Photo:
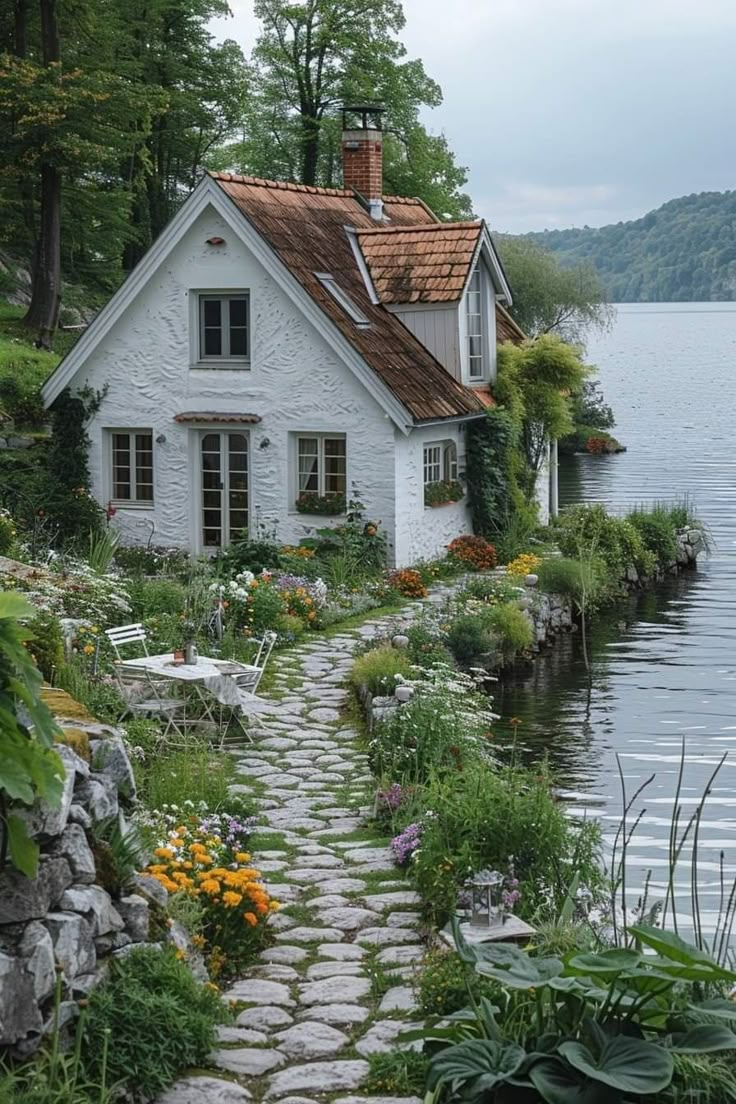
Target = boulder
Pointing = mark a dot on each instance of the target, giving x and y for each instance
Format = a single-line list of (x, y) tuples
[(99, 796), (37, 950), (110, 759), (147, 886), (24, 898), (19, 1012), (74, 948), (43, 819), (135, 912), (96, 905), (72, 845)]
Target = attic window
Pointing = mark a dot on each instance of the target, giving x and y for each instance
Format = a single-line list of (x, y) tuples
[(342, 299)]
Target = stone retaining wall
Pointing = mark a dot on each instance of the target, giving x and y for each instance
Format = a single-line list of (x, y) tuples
[(64, 919)]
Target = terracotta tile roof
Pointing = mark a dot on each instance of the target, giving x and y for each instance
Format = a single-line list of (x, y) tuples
[(229, 419), (305, 227), (400, 209), (427, 263), (485, 396), (506, 328)]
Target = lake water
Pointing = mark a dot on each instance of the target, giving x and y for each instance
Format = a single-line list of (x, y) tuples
[(663, 667)]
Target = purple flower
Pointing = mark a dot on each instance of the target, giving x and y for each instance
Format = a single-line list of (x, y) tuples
[(406, 843), (392, 797)]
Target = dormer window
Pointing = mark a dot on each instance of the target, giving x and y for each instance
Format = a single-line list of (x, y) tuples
[(476, 356)]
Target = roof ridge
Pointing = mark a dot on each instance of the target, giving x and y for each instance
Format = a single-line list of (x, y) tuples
[(279, 185), (422, 227)]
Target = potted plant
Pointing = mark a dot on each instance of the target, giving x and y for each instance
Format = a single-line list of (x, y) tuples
[(309, 502), (442, 492)]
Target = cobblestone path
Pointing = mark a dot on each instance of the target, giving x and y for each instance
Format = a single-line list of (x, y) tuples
[(336, 986)]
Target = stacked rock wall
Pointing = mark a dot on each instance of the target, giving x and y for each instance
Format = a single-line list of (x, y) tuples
[(64, 919)]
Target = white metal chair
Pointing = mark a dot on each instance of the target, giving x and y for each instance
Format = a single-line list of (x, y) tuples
[(248, 680), (143, 695)]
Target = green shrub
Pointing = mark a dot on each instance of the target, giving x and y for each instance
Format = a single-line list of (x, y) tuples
[(7, 533), (439, 729), (589, 533), (158, 1019), (100, 696), (380, 669), (47, 644), (658, 533), (153, 560), (490, 590), (513, 630), (479, 819), (468, 637), (398, 1073), (558, 575), (442, 984), (290, 627), (245, 554), (195, 774), (152, 597), (426, 648)]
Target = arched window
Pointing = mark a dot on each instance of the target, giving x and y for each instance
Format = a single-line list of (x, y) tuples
[(449, 462), (476, 366)]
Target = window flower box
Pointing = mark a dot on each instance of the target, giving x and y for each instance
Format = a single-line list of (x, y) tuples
[(329, 505), (442, 492)]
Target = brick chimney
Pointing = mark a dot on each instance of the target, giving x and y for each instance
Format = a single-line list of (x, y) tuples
[(362, 154)]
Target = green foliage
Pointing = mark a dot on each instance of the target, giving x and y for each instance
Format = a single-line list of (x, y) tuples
[(308, 60), (353, 550), (426, 648), (558, 575), (29, 767), (67, 500), (309, 502), (136, 560), (550, 297), (102, 547), (444, 984), (468, 637), (590, 408), (46, 643), (397, 1073), (680, 252), (118, 856), (512, 629), (380, 669), (589, 533), (599, 1026), (477, 819), (492, 466), (444, 490), (7, 533), (658, 533), (101, 698), (191, 774), (152, 597), (440, 729), (149, 987)]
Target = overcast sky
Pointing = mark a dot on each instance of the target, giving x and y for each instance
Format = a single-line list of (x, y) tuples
[(574, 112)]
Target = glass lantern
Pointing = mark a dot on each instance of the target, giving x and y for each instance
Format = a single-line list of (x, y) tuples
[(486, 899)]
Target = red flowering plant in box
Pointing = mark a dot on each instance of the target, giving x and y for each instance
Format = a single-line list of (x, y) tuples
[(473, 552), (596, 445)]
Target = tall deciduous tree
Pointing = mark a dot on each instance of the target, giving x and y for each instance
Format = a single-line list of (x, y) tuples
[(549, 298), (312, 57)]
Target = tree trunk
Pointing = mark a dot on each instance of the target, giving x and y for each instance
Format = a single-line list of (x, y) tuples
[(20, 28), (310, 149), (43, 312)]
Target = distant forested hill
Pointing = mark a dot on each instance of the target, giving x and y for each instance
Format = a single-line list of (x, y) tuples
[(683, 251)]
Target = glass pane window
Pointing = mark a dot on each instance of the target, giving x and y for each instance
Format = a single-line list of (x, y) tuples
[(132, 465), (475, 325), (432, 463), (449, 462), (224, 327), (322, 466)]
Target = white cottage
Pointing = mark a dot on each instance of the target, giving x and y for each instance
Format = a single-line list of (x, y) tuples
[(280, 345)]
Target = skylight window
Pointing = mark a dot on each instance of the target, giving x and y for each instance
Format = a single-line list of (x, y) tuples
[(342, 299)]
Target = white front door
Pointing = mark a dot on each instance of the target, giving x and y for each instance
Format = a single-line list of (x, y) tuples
[(223, 487)]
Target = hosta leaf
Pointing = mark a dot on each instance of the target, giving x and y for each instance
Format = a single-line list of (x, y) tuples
[(671, 946), (483, 1062), (23, 850), (558, 1083), (512, 967), (631, 1065), (614, 961), (719, 1006), (704, 1039)]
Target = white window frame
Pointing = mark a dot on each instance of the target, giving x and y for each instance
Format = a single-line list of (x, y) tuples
[(343, 300), (133, 500), (443, 461), (476, 325), (225, 357), (320, 438)]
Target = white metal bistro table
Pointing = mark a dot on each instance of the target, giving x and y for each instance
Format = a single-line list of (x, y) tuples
[(206, 680)]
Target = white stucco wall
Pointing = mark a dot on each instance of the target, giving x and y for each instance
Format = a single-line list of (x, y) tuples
[(295, 383), (423, 532)]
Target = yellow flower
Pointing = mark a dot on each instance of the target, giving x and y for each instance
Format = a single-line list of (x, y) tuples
[(242, 856), (232, 900), (88, 649), (250, 918), (164, 853), (210, 885)]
